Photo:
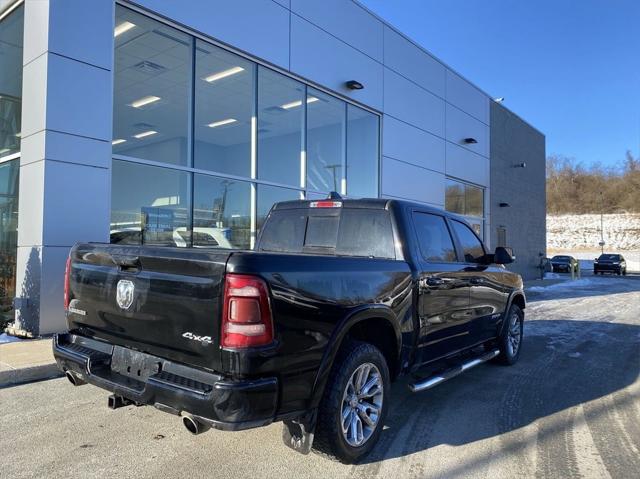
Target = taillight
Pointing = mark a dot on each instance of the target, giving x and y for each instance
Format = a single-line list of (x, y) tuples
[(246, 314), (67, 272)]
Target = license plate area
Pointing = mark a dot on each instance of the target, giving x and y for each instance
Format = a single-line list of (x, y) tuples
[(134, 364)]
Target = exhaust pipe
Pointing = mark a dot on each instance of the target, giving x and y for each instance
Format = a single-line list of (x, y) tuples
[(73, 379), (195, 426)]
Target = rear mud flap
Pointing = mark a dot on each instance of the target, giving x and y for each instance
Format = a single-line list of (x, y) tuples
[(298, 433)]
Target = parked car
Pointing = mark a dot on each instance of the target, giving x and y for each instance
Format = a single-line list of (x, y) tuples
[(564, 264), (339, 299), (610, 263)]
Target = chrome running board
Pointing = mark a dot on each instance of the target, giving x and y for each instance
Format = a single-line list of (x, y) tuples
[(433, 381)]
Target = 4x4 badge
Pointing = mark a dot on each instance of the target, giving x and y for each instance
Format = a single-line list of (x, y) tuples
[(124, 293)]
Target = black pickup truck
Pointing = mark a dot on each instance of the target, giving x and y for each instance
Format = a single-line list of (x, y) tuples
[(338, 299)]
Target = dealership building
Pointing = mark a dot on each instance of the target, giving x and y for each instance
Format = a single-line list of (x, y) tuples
[(180, 124)]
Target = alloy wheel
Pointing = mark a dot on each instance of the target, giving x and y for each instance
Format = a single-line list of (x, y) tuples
[(362, 404), (514, 334)]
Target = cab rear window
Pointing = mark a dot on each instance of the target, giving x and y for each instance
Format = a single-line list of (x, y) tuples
[(335, 231)]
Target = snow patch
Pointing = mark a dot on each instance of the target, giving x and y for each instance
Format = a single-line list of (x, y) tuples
[(578, 283), (5, 338)]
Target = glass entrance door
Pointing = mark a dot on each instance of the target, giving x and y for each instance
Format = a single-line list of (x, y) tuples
[(8, 237)]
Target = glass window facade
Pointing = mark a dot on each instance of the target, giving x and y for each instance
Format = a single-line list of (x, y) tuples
[(11, 33), (466, 200), (11, 38), (205, 140)]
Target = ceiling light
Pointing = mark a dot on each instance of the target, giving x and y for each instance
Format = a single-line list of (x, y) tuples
[(145, 101), (228, 121), (223, 74), (145, 134), (118, 141), (294, 104), (123, 27)]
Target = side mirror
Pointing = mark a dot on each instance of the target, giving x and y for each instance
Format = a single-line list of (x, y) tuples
[(503, 255)]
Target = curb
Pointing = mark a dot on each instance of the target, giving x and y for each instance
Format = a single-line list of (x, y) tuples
[(13, 377)]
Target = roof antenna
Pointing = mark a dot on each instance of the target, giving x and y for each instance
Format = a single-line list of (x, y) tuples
[(334, 195)]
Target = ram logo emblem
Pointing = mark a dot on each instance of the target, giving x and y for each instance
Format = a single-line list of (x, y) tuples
[(124, 293)]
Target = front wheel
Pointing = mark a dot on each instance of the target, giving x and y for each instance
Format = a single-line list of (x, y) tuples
[(354, 404), (510, 342)]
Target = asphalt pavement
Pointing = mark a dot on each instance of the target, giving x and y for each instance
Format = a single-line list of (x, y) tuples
[(569, 408)]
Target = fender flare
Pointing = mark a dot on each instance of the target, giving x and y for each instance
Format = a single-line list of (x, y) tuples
[(512, 297), (363, 313)]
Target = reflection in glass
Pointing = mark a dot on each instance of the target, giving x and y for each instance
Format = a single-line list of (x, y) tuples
[(11, 33), (454, 197), (224, 104), (362, 153), (280, 121), (149, 205), (221, 213), (325, 142), (464, 199), (152, 75), (268, 195), (9, 174)]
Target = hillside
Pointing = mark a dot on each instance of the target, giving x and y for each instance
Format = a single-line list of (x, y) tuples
[(582, 232)]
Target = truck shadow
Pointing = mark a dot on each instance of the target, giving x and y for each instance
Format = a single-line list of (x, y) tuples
[(563, 364)]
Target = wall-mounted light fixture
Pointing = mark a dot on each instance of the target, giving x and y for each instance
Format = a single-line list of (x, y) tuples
[(500, 99), (354, 85), (504, 205), (520, 165), (470, 141)]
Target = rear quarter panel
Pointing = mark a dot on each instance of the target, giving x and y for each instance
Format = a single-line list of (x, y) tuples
[(311, 298)]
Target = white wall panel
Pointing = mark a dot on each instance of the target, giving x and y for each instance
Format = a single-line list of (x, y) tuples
[(466, 165), (79, 98), (412, 145), (402, 180), (412, 104), (260, 27), (467, 97), (71, 198), (346, 20), (326, 60), (460, 125), (76, 38), (410, 61)]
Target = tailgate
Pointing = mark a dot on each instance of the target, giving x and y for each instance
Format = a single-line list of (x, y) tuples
[(162, 301)]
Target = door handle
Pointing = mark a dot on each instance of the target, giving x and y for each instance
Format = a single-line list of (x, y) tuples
[(434, 281)]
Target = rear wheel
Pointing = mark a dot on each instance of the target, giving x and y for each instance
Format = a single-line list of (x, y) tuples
[(510, 343), (354, 404)]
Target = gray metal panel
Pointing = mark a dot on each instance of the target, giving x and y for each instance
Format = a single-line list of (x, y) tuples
[(413, 63), (402, 141), (467, 165), (467, 97), (410, 182), (461, 125), (345, 20), (410, 103), (322, 58)]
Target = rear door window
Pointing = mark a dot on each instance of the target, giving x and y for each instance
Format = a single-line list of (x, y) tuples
[(344, 231), (471, 246), (434, 238)]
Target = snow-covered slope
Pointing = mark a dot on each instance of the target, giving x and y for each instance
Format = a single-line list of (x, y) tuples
[(582, 232)]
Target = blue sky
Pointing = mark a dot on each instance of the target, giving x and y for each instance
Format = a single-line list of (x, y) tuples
[(569, 67)]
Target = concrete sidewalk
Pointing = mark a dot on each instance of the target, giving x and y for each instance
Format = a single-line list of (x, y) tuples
[(26, 360)]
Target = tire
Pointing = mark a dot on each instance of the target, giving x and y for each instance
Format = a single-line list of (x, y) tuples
[(509, 354), (330, 440), (624, 272)]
